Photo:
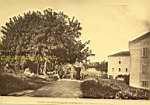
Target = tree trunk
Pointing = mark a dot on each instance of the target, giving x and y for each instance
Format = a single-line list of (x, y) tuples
[(78, 70), (44, 69)]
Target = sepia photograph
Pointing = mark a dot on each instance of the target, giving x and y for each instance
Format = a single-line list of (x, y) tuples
[(56, 52)]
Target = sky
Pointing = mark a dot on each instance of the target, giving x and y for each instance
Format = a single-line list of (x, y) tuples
[(108, 24)]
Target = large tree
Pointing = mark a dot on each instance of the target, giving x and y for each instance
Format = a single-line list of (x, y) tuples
[(49, 34)]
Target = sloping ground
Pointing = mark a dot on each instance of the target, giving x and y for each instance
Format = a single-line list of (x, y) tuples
[(10, 83)]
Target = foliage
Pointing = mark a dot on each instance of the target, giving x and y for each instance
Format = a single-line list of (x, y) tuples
[(100, 66), (49, 34), (110, 89), (104, 66), (124, 77)]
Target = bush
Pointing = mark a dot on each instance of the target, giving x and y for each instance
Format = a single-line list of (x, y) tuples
[(109, 89), (90, 73), (93, 89), (55, 77)]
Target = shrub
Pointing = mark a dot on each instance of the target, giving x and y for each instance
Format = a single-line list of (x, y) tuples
[(109, 89), (93, 89)]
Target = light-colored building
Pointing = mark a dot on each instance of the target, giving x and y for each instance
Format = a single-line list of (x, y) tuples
[(118, 64), (140, 61)]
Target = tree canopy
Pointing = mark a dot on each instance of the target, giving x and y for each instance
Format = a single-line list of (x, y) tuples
[(48, 33)]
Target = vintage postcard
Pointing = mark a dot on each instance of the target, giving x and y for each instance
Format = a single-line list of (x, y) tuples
[(79, 52)]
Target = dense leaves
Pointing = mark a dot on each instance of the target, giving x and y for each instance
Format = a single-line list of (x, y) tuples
[(49, 34)]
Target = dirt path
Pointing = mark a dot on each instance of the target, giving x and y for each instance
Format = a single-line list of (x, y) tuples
[(61, 88)]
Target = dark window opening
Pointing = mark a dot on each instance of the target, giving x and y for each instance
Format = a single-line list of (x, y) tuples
[(145, 52), (145, 84), (119, 69), (126, 69), (119, 62), (112, 69)]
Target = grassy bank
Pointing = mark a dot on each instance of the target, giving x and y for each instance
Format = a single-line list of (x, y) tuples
[(11, 83)]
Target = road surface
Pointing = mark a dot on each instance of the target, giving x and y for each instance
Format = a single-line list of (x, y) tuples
[(61, 88)]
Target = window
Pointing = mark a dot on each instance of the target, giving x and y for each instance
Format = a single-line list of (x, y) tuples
[(119, 69), (144, 69), (145, 52), (145, 84), (112, 69), (119, 62), (126, 69)]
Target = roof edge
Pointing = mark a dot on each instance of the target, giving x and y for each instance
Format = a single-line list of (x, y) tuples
[(125, 52), (140, 37)]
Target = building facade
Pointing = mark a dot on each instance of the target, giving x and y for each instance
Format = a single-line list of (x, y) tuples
[(118, 64), (140, 61)]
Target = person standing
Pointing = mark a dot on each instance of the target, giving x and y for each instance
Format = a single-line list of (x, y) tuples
[(78, 65)]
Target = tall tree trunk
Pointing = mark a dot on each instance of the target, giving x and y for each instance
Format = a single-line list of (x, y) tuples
[(44, 69)]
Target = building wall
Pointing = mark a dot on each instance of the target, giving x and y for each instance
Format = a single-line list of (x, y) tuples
[(118, 62), (140, 63)]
